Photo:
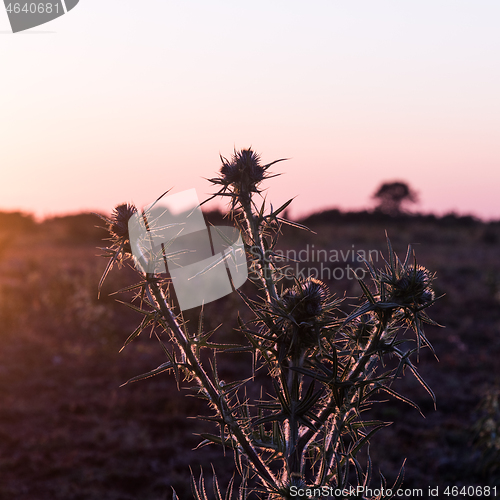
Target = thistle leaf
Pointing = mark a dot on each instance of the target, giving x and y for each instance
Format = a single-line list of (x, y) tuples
[(144, 323), (162, 368)]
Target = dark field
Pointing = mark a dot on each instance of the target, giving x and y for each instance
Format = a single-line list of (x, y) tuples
[(69, 432)]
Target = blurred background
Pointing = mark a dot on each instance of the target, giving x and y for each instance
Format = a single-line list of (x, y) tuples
[(389, 115)]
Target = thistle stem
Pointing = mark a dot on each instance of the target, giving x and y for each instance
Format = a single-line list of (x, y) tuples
[(264, 269), (294, 387), (218, 399), (358, 368)]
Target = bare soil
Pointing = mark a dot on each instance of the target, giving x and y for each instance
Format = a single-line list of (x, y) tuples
[(69, 432)]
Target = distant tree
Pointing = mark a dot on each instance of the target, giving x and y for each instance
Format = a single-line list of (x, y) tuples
[(392, 196)]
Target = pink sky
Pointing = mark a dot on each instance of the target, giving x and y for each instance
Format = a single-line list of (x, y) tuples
[(114, 104)]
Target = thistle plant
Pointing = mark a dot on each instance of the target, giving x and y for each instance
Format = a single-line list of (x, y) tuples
[(317, 368)]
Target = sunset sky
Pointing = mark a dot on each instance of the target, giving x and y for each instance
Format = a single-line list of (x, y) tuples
[(119, 101)]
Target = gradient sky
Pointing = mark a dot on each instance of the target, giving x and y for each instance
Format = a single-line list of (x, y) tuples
[(120, 100)]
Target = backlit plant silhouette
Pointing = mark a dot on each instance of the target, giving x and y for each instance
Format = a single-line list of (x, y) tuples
[(323, 366)]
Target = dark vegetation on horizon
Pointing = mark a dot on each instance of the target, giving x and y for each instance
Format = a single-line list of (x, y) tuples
[(391, 201), (84, 226)]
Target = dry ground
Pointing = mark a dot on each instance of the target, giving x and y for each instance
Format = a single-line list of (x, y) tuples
[(68, 431)]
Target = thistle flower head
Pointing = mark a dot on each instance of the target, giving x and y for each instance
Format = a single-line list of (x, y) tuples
[(118, 222), (414, 285), (244, 172), (241, 176), (364, 327), (305, 300), (117, 226), (297, 483), (120, 248), (302, 319)]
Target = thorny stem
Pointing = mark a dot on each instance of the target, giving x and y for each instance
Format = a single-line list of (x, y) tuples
[(331, 439), (358, 368), (293, 452), (294, 387), (265, 271), (293, 455), (204, 381), (292, 460)]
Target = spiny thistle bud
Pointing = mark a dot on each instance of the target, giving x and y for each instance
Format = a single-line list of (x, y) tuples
[(118, 225), (302, 308), (413, 286), (244, 172), (305, 300), (241, 175), (296, 485), (364, 327)]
